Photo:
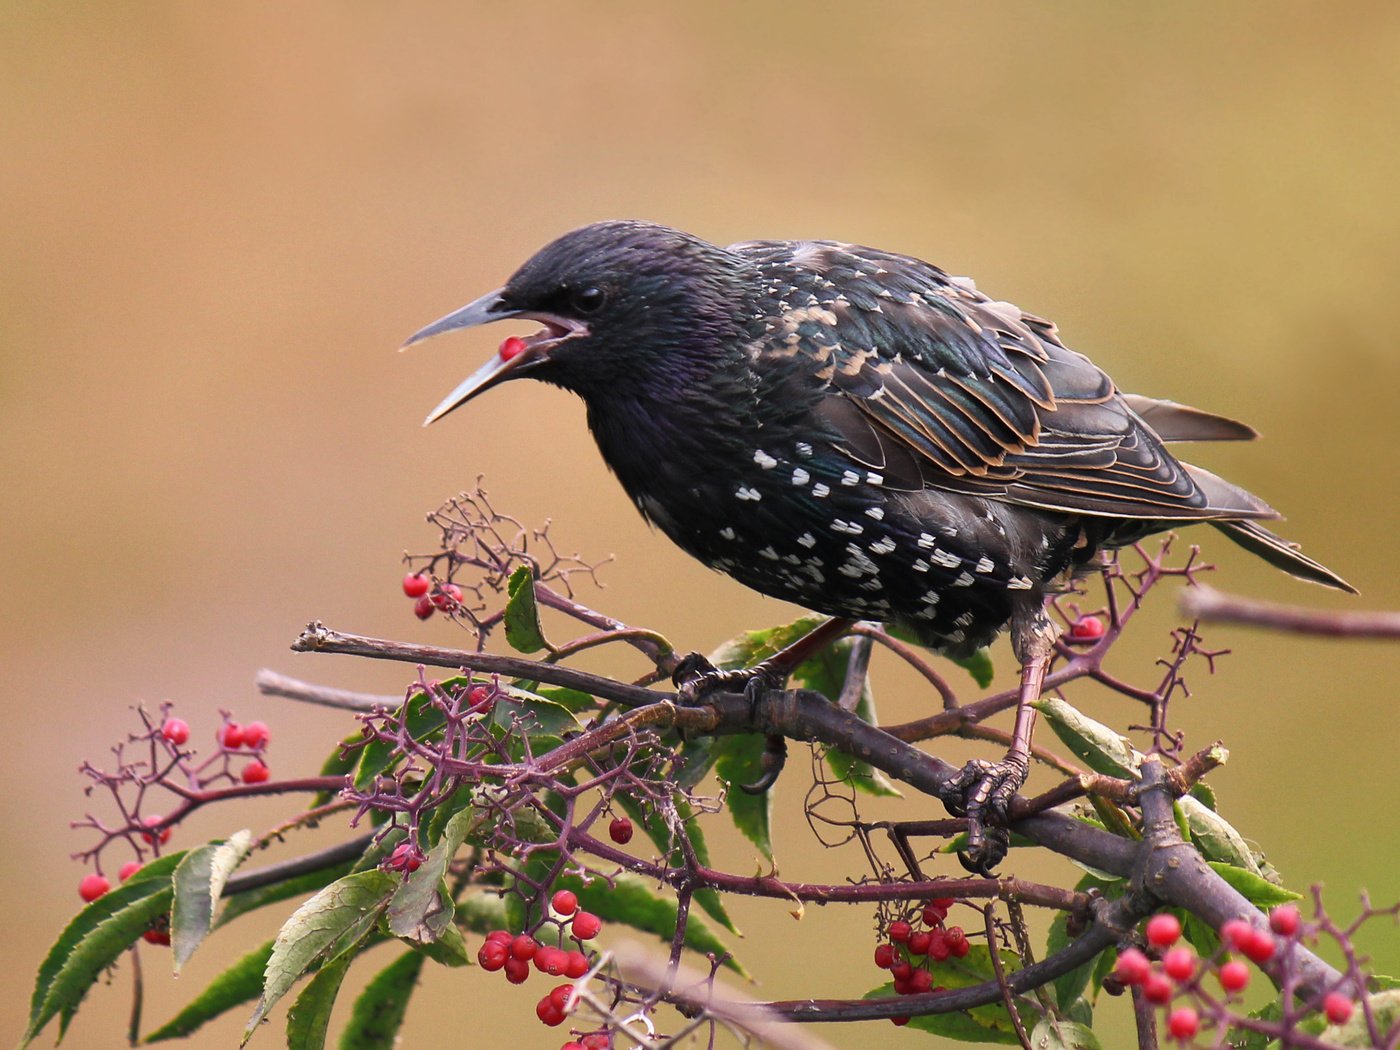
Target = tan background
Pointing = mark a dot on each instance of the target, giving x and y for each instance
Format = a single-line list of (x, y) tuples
[(220, 222)]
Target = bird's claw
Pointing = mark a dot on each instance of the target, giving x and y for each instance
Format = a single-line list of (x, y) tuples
[(982, 792), (695, 676)]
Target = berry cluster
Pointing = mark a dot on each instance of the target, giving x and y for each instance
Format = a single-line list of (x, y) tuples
[(427, 599), (514, 954), (911, 953), (1179, 971)]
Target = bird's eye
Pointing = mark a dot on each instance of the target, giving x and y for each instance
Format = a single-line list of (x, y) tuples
[(589, 300)]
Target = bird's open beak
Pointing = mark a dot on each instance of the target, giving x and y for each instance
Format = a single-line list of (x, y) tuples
[(514, 355)]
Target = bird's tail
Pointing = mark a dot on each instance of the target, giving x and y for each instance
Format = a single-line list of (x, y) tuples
[(1280, 553)]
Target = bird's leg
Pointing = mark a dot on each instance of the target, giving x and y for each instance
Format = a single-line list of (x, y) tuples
[(696, 676), (983, 790)]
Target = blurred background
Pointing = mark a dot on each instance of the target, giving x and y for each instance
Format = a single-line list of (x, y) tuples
[(220, 222)]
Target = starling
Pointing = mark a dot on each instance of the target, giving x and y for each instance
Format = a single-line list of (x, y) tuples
[(858, 432)]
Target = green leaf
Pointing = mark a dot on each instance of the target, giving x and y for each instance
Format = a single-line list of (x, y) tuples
[(379, 1011), (825, 673), (309, 1018), (1258, 891), (483, 912), (297, 886), (1199, 934), (1385, 1013), (737, 762), (422, 907), (659, 832), (326, 925), (1051, 1034), (630, 901), (237, 985), (1068, 986), (523, 631), (1205, 794), (979, 665), (1215, 837), (199, 883), (958, 1025), (450, 949), (95, 938), (544, 716), (1100, 748), (748, 648)]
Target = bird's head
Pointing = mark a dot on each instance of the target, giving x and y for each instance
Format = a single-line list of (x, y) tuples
[(621, 303)]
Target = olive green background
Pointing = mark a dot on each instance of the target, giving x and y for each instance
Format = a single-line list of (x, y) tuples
[(219, 221)]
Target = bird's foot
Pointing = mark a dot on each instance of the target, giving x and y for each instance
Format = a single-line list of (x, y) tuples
[(696, 677), (982, 793)]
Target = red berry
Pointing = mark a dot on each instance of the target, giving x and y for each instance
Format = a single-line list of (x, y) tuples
[(512, 346), (129, 869), (900, 931), (565, 902), (1158, 988), (571, 1045), (921, 981), (157, 937), (559, 995), (940, 945), (547, 1012), (1132, 968), (93, 886), (597, 1041), (256, 734), (586, 925), (543, 957), (1259, 947), (957, 941), (935, 911), (524, 947), (163, 834), (901, 971), (576, 965), (1234, 975), (424, 608), (1183, 1023), (1284, 920), (1179, 963), (899, 1022), (919, 942), (557, 963), (1086, 629), (1236, 933), (493, 956), (1337, 1007), (406, 857), (884, 956), (255, 773), (1163, 930), (176, 730), (620, 831), (415, 585), (232, 736), (448, 597), (501, 935), (517, 970), (481, 698)]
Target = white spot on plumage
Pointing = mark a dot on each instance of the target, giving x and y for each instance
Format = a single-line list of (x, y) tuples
[(803, 449), (1019, 583), (965, 620), (850, 477), (930, 597), (883, 546), (850, 528), (945, 559), (744, 492), (800, 476), (807, 540), (965, 580), (984, 564), (920, 565), (926, 541), (877, 513), (769, 553), (763, 459), (957, 636), (875, 479), (727, 532), (819, 490)]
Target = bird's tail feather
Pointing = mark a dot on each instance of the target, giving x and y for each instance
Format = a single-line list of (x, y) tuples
[(1280, 553)]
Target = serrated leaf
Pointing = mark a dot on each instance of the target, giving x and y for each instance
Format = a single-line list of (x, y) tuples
[(522, 616), (825, 673), (738, 762), (1205, 794), (309, 1017), (326, 925), (239, 904), (1051, 1034), (631, 902), (1257, 890), (379, 1011), (1098, 746), (1215, 837), (240, 983), (422, 908), (199, 883), (95, 938), (543, 716)]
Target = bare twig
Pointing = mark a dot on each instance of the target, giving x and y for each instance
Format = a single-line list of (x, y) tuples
[(1211, 605)]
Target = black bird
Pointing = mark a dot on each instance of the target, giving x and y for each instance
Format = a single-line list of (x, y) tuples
[(859, 433)]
